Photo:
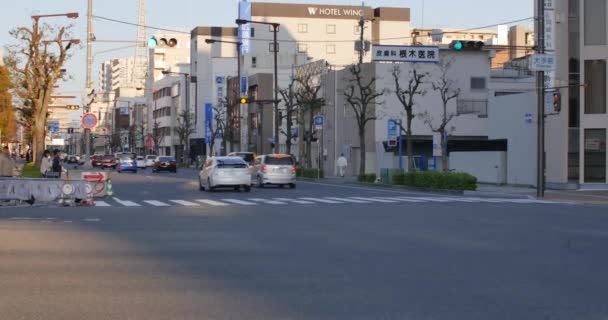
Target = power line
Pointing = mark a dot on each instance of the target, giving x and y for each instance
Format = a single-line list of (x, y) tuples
[(320, 41)]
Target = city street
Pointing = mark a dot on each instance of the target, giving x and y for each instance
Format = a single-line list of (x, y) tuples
[(161, 249)]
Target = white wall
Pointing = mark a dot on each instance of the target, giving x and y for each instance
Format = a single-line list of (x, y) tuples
[(488, 166)]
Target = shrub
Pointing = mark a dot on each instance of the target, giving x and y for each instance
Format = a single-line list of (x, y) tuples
[(369, 178), (437, 180), (309, 173)]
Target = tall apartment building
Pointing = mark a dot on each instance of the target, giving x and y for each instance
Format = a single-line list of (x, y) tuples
[(120, 72)]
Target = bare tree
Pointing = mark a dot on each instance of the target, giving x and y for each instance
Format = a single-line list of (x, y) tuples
[(218, 126), (448, 90), (406, 96), (157, 135), (36, 64), (361, 95), (185, 128), (290, 110), (309, 104)]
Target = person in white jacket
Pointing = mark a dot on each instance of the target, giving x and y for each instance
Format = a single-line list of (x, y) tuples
[(46, 163), (342, 164)]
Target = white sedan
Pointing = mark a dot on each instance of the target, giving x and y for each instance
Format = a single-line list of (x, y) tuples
[(141, 162), (150, 159), (228, 172)]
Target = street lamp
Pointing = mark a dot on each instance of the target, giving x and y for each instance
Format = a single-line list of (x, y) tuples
[(70, 15), (275, 29)]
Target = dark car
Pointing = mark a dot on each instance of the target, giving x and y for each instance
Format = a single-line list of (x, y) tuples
[(96, 160), (108, 160), (165, 163)]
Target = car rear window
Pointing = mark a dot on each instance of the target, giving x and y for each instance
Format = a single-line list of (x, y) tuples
[(151, 157), (140, 158), (279, 160), (125, 157), (231, 163), (166, 159), (108, 156), (248, 157)]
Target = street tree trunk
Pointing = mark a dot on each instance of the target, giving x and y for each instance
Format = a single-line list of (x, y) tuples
[(410, 145), (362, 152)]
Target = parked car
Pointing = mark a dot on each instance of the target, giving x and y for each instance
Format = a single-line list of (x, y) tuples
[(275, 169), (72, 159), (165, 163), (126, 163), (96, 160), (141, 162), (150, 160), (229, 172), (108, 160)]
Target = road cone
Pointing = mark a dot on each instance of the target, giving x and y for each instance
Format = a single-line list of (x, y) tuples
[(109, 190)]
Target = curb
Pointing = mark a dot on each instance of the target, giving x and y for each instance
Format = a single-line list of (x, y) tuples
[(486, 194), (410, 188)]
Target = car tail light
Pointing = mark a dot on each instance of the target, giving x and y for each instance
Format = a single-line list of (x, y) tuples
[(293, 168), (172, 162), (264, 168)]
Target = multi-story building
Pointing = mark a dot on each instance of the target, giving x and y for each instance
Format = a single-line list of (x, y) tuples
[(119, 73)]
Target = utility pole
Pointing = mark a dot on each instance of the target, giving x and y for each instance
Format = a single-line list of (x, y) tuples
[(540, 92), (361, 30), (277, 120), (87, 132)]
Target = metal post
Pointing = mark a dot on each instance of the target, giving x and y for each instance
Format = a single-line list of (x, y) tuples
[(399, 122), (238, 105), (277, 120), (540, 91), (87, 132), (187, 83)]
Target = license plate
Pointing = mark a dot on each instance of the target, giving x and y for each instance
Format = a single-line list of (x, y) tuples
[(283, 170)]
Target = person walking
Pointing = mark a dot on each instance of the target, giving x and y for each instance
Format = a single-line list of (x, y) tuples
[(56, 164), (46, 164), (7, 164), (342, 164)]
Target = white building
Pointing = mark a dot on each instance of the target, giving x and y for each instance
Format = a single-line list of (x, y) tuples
[(119, 73)]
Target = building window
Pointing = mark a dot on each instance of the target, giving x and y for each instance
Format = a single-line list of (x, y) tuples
[(478, 83), (595, 93), (595, 22), (302, 48), (302, 28), (251, 32), (271, 47), (330, 28), (330, 49), (254, 62), (357, 30), (479, 107), (595, 155)]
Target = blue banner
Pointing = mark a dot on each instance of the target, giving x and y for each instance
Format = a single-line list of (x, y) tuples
[(243, 84), (245, 29), (208, 121)]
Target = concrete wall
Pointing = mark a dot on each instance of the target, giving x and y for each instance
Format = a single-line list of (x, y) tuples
[(489, 167)]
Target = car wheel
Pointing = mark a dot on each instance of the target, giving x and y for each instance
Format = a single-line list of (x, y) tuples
[(200, 185), (292, 186), (260, 183), (209, 187), (247, 188)]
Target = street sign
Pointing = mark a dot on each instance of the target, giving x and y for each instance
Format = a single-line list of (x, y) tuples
[(542, 62), (219, 80), (93, 176), (319, 122), (392, 130), (437, 150), (53, 126), (405, 53), (89, 120)]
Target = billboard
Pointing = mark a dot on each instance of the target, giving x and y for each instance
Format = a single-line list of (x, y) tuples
[(405, 53), (245, 29)]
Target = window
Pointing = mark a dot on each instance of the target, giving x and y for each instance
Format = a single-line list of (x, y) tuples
[(595, 155), (254, 62), (595, 93), (330, 49), (479, 107), (271, 47), (330, 28), (252, 32), (357, 30), (595, 22), (302, 48), (302, 28), (478, 83)]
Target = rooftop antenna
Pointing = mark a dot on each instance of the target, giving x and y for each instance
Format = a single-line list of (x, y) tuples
[(141, 50)]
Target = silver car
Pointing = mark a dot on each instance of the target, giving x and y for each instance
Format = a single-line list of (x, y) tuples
[(230, 172), (275, 169)]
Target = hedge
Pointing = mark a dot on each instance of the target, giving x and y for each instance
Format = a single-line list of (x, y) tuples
[(370, 178), (309, 173), (437, 180)]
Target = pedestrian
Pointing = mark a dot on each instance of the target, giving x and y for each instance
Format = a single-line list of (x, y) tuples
[(46, 164), (7, 164), (56, 164), (342, 164)]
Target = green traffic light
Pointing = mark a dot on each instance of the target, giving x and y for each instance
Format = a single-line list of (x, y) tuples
[(458, 45), (152, 42)]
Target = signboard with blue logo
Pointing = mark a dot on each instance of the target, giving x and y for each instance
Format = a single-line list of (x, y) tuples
[(392, 129), (245, 29), (243, 84), (219, 80), (208, 121), (53, 126), (319, 122)]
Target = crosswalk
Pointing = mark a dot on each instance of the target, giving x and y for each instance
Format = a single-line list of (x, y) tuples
[(116, 202)]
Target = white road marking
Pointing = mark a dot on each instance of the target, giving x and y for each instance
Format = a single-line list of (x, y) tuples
[(126, 203), (404, 199), (294, 201), (433, 199), (212, 202), (266, 201), (385, 190), (99, 203), (322, 200), (375, 199), (67, 221), (92, 219), (347, 200), (186, 203), (156, 203), (241, 202)]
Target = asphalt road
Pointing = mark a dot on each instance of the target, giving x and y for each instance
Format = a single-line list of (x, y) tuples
[(432, 257)]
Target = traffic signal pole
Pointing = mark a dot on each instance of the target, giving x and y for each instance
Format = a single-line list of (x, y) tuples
[(540, 92), (87, 132)]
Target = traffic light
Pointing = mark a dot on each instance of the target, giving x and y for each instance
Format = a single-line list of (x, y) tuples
[(557, 102), (72, 107), (162, 42), (392, 143), (244, 101), (462, 45), (93, 137)]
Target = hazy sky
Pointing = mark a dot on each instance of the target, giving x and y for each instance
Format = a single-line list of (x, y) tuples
[(185, 14)]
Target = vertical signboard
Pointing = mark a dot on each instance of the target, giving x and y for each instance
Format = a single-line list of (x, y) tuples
[(437, 150), (208, 121), (245, 29), (550, 39)]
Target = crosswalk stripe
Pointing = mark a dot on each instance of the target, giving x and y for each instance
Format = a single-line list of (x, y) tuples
[(99, 203), (347, 200), (212, 202), (375, 199), (241, 202), (267, 201), (434, 199), (126, 203), (321, 200), (185, 203), (156, 203), (403, 199), (294, 201)]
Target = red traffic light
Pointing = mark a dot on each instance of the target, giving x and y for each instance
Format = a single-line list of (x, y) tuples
[(392, 143)]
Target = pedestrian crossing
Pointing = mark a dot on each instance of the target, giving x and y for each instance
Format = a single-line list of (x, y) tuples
[(223, 202)]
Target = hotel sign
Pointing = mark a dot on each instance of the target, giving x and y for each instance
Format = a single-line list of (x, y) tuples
[(334, 12)]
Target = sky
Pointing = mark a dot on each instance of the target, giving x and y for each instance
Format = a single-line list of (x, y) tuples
[(185, 14)]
